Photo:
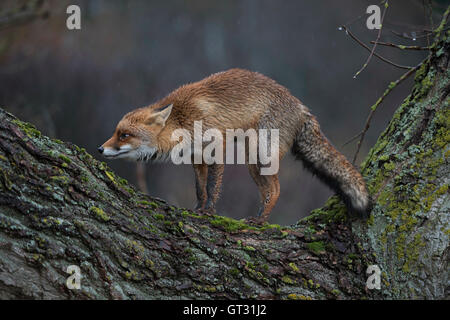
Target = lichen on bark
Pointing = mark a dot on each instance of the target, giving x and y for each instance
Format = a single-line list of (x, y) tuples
[(408, 174)]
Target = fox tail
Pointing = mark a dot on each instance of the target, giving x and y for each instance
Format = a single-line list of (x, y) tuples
[(322, 159)]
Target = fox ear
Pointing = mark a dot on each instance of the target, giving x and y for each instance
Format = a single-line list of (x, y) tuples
[(162, 115)]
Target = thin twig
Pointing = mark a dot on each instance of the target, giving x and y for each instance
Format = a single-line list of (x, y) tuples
[(401, 47), (349, 23), (376, 42), (430, 7), (356, 136), (441, 28), (404, 36), (426, 33), (392, 85), (425, 13), (375, 54)]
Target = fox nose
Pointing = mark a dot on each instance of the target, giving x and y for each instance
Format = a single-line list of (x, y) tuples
[(101, 149)]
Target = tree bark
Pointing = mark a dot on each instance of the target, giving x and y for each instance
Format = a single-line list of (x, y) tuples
[(61, 207)]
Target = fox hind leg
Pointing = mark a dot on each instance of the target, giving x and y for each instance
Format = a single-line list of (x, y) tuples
[(201, 175), (213, 186), (269, 188)]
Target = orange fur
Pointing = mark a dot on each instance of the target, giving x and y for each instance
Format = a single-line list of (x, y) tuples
[(240, 99)]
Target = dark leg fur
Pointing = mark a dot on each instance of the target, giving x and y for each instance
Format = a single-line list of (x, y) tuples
[(201, 174), (213, 186)]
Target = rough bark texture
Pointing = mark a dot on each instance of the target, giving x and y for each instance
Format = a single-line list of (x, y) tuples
[(61, 207)]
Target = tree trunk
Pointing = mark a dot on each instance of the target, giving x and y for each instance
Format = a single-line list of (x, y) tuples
[(60, 207)]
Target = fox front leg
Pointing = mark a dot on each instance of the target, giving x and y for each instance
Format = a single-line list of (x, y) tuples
[(201, 175), (213, 186)]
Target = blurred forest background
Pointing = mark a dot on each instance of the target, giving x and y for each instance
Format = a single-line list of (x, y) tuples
[(75, 85)]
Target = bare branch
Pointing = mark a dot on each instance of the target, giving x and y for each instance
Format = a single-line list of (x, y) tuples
[(376, 41), (29, 12), (427, 33), (391, 86), (401, 47), (356, 136), (375, 54)]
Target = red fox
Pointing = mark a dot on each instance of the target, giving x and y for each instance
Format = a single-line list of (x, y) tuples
[(238, 99)]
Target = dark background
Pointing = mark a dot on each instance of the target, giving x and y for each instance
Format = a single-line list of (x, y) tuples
[(76, 85)]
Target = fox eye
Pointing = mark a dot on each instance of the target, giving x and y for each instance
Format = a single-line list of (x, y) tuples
[(123, 136)]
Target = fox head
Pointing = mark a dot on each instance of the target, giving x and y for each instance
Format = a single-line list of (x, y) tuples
[(136, 135)]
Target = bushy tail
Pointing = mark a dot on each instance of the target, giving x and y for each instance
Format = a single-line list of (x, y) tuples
[(330, 166)]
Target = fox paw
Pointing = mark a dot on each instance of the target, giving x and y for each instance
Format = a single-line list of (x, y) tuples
[(207, 211)]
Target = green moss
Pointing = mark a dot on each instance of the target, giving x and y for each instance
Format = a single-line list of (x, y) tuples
[(64, 158), (400, 244), (421, 72), (229, 224), (268, 226), (29, 129), (186, 213), (294, 267), (154, 205), (135, 246), (111, 176), (159, 216), (287, 280), (146, 203), (99, 214), (442, 121), (412, 252), (210, 289), (37, 258), (389, 166), (132, 275), (293, 296), (234, 272), (334, 210), (426, 84), (4, 179), (428, 202), (371, 220), (316, 247), (336, 292), (114, 179), (62, 179)]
